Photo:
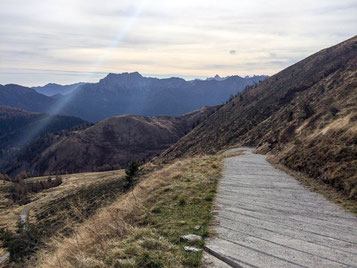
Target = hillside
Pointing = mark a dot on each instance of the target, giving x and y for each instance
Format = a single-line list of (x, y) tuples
[(306, 116), (17, 125), (24, 98), (109, 144)]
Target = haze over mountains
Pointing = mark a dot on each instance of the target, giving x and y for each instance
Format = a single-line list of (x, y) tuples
[(126, 93), (24, 98), (17, 125), (306, 116), (53, 89)]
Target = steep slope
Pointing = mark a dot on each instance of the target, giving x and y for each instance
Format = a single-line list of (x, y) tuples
[(306, 115), (17, 124), (109, 144), (53, 89), (24, 98)]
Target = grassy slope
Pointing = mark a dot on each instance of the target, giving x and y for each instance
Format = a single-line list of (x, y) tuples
[(58, 210), (143, 227), (305, 116)]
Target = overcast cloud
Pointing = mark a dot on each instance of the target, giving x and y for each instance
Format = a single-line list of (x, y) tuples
[(67, 41)]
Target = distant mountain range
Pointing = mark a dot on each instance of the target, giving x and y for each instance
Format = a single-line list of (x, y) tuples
[(218, 78), (126, 93), (53, 89), (25, 98)]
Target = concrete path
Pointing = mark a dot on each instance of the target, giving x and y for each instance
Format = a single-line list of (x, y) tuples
[(4, 258), (266, 218)]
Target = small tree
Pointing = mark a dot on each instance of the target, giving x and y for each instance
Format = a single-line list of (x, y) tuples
[(132, 171)]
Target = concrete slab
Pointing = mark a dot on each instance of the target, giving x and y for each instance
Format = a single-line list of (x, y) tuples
[(209, 261), (266, 218)]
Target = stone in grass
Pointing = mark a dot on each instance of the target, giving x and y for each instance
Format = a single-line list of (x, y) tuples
[(197, 227), (191, 249), (191, 237)]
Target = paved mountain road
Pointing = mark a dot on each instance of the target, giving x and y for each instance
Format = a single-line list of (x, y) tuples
[(266, 218)]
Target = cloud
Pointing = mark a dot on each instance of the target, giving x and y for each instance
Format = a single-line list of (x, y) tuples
[(151, 36)]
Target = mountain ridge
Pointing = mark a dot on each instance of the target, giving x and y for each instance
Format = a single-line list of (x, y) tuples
[(24, 98), (52, 89), (128, 93)]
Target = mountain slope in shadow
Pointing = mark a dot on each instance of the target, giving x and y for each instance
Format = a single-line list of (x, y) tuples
[(18, 126), (109, 144)]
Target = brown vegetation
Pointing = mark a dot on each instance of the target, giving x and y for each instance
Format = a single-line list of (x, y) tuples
[(56, 210), (20, 190), (107, 145)]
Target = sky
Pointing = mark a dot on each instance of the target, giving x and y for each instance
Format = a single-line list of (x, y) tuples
[(67, 41)]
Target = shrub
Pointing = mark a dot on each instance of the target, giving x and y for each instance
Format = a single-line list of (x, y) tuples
[(209, 197), (19, 192), (20, 244), (182, 201), (131, 172), (333, 110)]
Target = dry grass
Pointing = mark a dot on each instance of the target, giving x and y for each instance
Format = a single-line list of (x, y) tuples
[(142, 228), (2, 251), (233, 154), (10, 212)]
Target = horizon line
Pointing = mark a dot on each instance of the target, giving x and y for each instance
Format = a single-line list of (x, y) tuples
[(101, 75)]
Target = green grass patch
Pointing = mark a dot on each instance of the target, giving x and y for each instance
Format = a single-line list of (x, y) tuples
[(186, 205)]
